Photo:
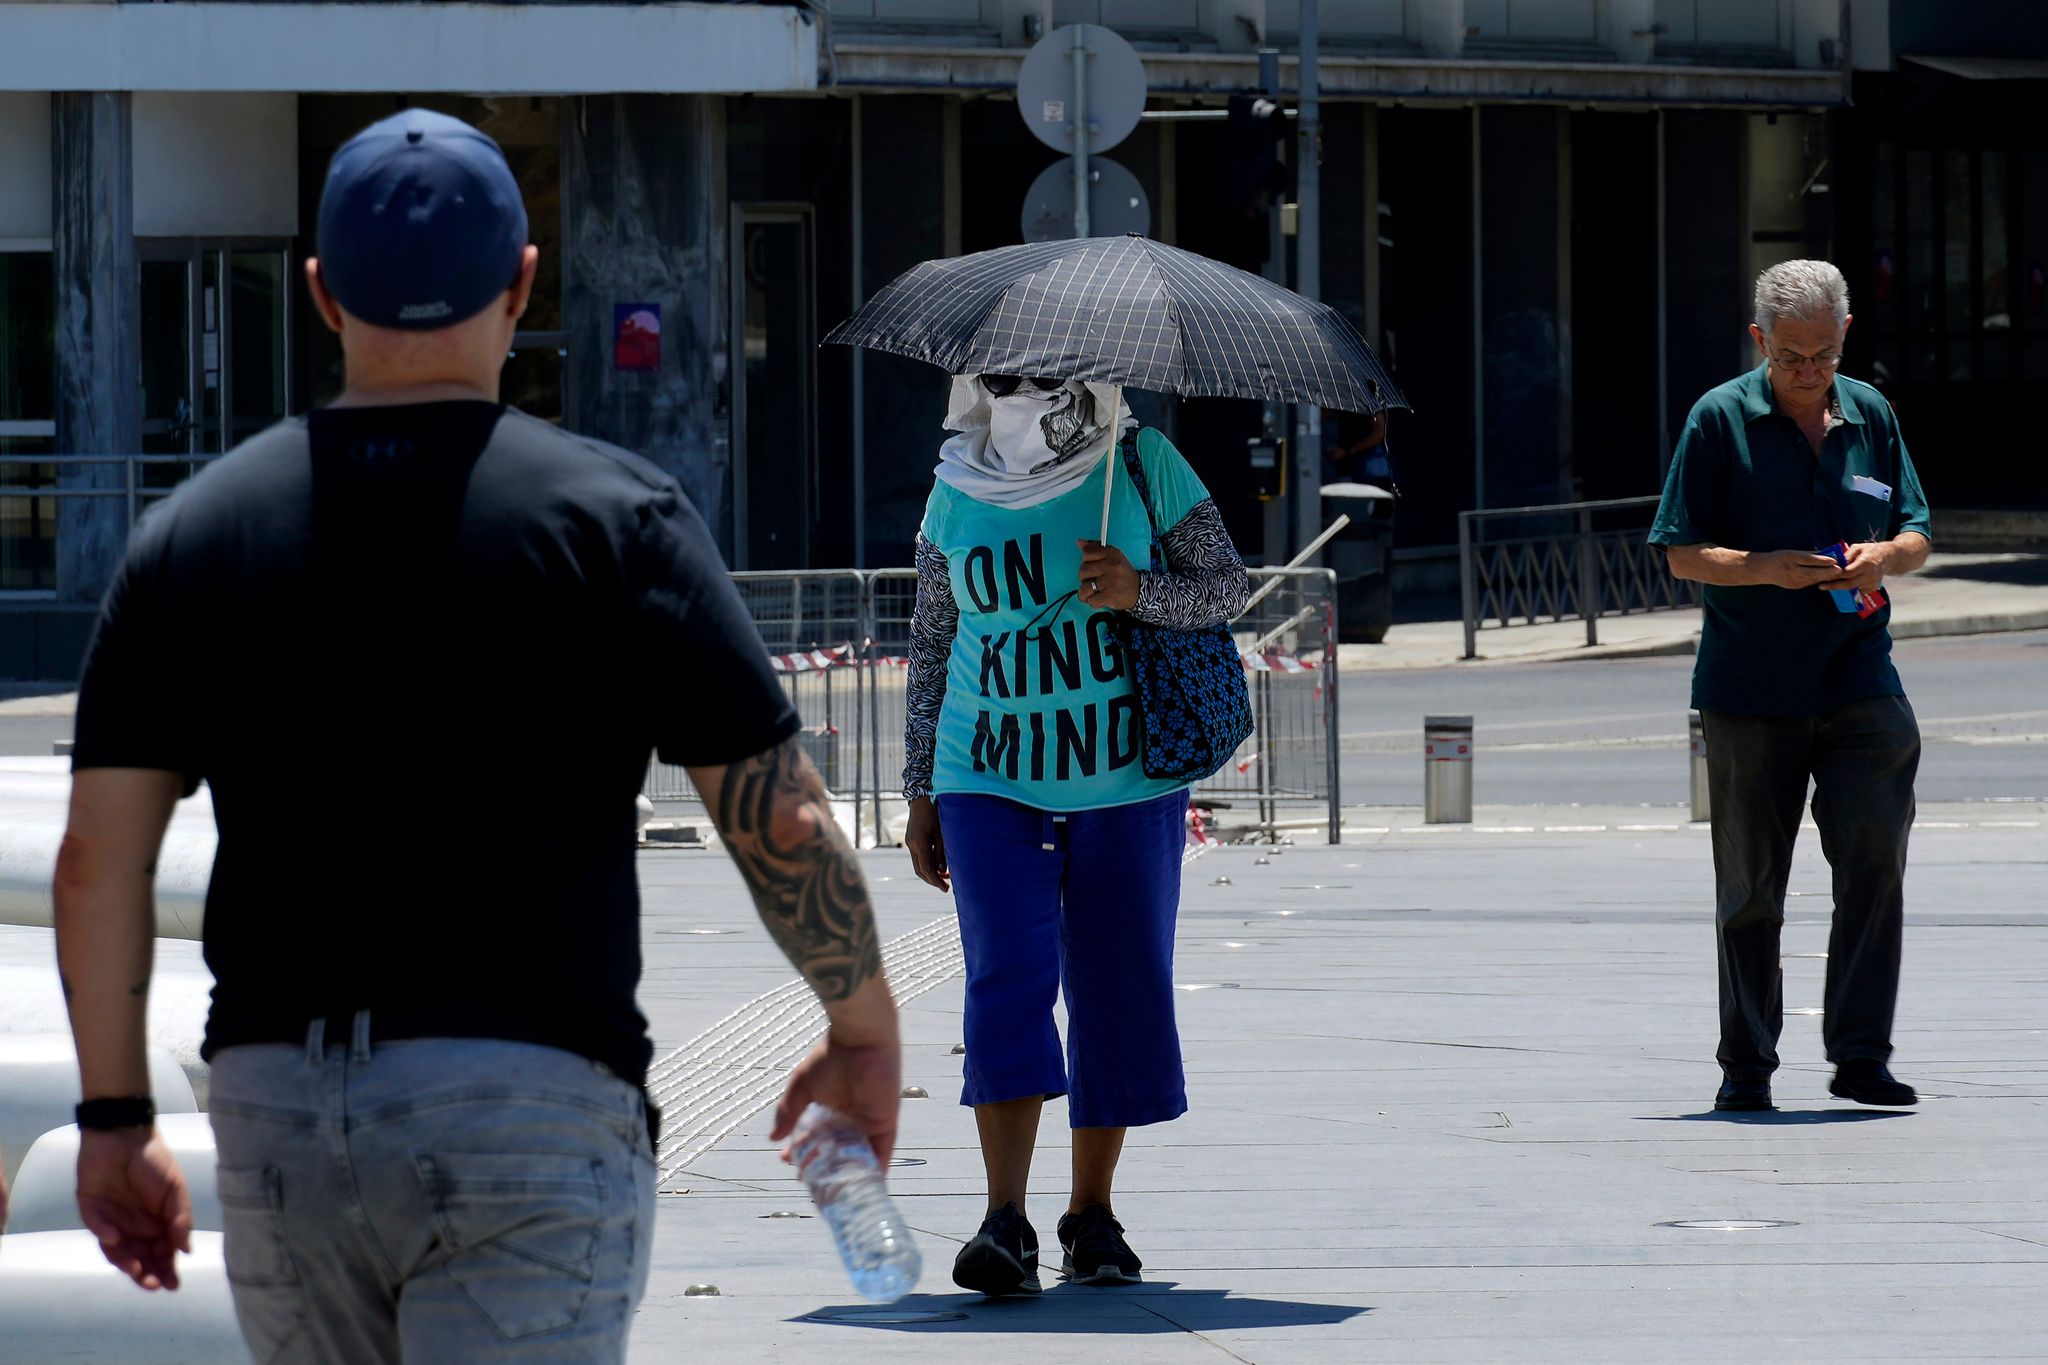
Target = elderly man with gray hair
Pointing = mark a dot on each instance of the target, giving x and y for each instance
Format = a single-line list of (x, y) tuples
[(1791, 498)]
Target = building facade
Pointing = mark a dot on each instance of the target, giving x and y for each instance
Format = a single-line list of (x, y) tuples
[(1544, 213)]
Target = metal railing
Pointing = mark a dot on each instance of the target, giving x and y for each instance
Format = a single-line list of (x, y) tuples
[(42, 481), (1554, 563), (840, 641)]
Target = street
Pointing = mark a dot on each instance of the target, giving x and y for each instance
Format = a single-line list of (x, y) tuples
[(1614, 732), (1609, 733)]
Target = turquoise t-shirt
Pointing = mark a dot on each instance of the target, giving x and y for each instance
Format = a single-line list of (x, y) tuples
[(1039, 706)]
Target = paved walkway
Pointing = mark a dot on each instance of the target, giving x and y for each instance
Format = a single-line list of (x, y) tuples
[(1446, 1109), (1450, 1095)]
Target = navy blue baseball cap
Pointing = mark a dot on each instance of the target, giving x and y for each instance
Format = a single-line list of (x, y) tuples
[(421, 223)]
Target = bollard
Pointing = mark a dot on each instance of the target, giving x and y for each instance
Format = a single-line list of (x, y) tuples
[(1447, 770), (1702, 805)]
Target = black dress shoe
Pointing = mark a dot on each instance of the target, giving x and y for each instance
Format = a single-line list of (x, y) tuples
[(1870, 1082), (1744, 1094)]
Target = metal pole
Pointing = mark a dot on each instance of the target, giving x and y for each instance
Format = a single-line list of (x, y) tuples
[(1330, 705), (863, 643), (860, 369), (1308, 268), (875, 749), (1273, 425), (1468, 584), (1081, 130), (1663, 322), (1702, 804), (1267, 813), (1273, 581), (1589, 579), (1478, 332)]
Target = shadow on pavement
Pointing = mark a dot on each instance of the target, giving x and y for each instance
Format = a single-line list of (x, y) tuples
[(1780, 1118), (2029, 572), (1077, 1309)]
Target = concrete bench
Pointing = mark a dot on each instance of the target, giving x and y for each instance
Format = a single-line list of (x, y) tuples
[(45, 1192)]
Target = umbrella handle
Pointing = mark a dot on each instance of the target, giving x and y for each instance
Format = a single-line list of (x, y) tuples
[(1109, 464)]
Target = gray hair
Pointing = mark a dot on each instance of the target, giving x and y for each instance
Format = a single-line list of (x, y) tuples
[(1806, 290)]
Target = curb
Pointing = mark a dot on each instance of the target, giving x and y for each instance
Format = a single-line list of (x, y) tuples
[(1941, 627), (1995, 624)]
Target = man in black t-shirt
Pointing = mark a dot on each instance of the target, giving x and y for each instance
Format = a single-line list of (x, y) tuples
[(426, 1054)]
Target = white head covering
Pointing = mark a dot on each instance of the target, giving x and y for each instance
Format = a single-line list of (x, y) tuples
[(1028, 447)]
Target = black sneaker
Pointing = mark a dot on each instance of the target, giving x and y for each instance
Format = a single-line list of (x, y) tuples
[(1000, 1259), (1095, 1251)]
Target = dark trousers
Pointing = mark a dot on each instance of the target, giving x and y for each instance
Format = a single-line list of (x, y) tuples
[(1862, 759)]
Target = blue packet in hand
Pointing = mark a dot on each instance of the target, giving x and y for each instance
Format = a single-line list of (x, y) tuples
[(1850, 601)]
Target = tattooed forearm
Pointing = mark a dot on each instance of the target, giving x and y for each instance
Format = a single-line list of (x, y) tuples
[(777, 824)]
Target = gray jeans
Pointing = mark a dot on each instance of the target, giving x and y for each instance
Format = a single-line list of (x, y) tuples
[(431, 1200), (1862, 759)]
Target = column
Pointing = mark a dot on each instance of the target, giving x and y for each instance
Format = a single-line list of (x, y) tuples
[(99, 340), (643, 184)]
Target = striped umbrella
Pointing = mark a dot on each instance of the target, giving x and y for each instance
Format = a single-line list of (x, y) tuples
[(1124, 310)]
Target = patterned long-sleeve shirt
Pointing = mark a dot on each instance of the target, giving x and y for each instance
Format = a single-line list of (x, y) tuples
[(1202, 582)]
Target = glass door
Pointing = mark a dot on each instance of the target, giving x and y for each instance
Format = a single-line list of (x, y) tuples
[(170, 423), (215, 358), (775, 486)]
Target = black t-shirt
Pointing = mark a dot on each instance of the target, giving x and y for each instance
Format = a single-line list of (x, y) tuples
[(421, 655)]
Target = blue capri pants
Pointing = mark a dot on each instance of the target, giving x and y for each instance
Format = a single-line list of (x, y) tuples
[(1082, 902)]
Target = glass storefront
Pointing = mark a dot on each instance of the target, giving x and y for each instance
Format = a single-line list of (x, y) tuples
[(28, 411)]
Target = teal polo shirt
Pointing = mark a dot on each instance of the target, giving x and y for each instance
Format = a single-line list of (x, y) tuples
[(1746, 478)]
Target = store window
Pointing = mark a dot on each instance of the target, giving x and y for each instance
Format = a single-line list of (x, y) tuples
[(1947, 304), (28, 422)]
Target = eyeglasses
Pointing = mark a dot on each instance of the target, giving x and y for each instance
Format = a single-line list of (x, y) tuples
[(1824, 362), (1003, 385)]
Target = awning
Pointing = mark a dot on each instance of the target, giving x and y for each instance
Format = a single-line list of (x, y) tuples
[(477, 49), (1986, 68)]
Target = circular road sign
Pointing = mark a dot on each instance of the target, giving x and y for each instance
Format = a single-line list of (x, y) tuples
[(1116, 202), (1116, 87)]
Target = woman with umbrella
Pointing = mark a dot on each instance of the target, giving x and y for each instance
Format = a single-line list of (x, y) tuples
[(1071, 675), (1064, 857)]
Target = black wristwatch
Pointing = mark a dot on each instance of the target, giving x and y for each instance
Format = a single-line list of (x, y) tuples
[(105, 1116)]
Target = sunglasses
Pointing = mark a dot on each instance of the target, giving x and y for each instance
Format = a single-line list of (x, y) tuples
[(1003, 385)]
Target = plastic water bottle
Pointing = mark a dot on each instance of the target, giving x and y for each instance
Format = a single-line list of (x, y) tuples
[(834, 1159)]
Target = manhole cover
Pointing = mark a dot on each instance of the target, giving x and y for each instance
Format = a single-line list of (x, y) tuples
[(884, 1317), (1728, 1224)]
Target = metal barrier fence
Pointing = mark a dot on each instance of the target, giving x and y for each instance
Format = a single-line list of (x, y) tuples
[(1554, 562), (841, 641), (814, 625)]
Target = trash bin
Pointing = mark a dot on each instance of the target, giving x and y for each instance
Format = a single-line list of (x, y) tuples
[(1362, 557)]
